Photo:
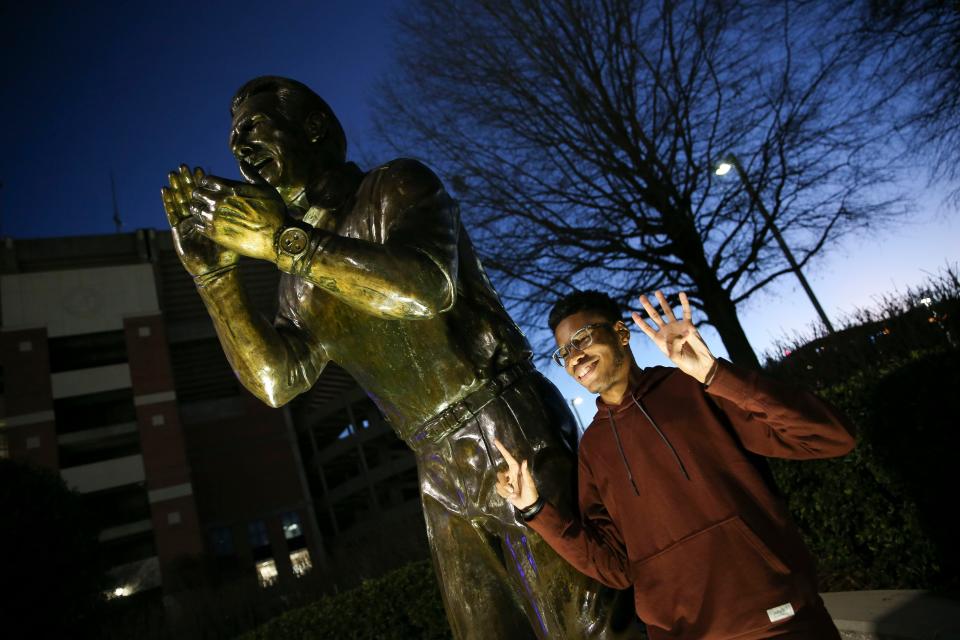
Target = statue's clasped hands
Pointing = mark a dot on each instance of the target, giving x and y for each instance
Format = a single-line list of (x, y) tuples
[(214, 219), (200, 256), (240, 216)]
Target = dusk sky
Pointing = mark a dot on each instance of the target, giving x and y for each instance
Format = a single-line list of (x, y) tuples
[(135, 89)]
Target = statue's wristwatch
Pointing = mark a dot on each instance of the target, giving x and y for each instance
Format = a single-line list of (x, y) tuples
[(292, 244)]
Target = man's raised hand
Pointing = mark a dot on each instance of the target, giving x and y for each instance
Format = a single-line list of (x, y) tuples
[(679, 340), (199, 254), (515, 485)]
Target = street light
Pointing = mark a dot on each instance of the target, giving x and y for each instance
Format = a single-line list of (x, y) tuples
[(730, 161)]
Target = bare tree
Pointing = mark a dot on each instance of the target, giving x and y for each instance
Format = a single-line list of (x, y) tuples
[(581, 139), (914, 47)]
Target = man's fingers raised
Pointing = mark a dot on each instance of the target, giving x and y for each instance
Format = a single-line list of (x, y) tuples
[(685, 304), (640, 322), (665, 306), (651, 312), (511, 461), (525, 476)]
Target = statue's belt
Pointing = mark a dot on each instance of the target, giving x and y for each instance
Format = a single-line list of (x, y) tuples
[(456, 415)]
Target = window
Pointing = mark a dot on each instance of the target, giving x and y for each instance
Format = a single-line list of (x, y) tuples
[(226, 560), (118, 506), (291, 525), (293, 531), (114, 443), (300, 562), (266, 572), (259, 540), (221, 539), (257, 532), (87, 350), (94, 410), (128, 549)]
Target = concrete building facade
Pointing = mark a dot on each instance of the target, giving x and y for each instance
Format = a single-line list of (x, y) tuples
[(113, 376)]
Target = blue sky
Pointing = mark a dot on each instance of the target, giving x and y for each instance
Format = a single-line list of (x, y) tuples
[(135, 89)]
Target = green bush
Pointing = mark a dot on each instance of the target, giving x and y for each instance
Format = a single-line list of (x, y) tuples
[(401, 605), (876, 518)]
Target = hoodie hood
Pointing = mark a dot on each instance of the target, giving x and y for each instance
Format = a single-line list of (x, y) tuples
[(643, 383)]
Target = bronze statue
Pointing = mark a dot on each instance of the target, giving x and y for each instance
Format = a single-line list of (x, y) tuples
[(381, 278)]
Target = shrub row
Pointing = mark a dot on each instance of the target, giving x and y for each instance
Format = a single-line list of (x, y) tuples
[(876, 518), (401, 605)]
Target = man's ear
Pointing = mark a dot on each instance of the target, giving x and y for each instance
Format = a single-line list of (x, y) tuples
[(623, 332), (316, 126)]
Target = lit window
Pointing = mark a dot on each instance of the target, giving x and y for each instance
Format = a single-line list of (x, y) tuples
[(120, 592), (300, 562), (346, 433), (266, 572), (291, 525)]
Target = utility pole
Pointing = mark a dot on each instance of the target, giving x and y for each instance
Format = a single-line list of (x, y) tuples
[(731, 160), (573, 403), (116, 209)]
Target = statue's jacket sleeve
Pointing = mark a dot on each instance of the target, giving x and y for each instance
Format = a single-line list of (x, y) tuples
[(395, 294), (395, 254)]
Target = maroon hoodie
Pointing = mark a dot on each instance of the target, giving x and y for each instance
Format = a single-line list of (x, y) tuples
[(673, 502)]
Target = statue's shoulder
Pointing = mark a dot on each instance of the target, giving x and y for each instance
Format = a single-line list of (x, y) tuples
[(405, 177)]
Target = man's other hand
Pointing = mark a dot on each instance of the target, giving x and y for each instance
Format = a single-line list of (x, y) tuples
[(679, 340), (515, 485)]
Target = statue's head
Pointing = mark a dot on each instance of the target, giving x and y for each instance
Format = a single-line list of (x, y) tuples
[(286, 133)]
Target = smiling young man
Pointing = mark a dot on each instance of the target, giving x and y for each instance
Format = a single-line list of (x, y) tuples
[(675, 498)]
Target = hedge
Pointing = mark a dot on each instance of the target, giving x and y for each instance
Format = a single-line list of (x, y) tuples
[(875, 519), (401, 605)]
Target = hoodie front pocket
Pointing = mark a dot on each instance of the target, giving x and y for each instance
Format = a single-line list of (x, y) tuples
[(716, 583)]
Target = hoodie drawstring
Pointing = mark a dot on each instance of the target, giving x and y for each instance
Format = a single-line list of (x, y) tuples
[(663, 437), (623, 456)]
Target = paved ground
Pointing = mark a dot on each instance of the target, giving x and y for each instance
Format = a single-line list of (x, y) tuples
[(894, 615)]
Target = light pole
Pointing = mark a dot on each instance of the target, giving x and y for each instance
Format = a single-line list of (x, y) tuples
[(575, 402), (730, 161)]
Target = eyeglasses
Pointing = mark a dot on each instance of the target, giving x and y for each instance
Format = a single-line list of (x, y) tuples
[(579, 341)]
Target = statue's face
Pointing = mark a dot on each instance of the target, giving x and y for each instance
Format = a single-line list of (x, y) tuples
[(279, 150)]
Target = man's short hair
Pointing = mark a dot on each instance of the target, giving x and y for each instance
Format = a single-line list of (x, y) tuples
[(589, 300), (296, 102)]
